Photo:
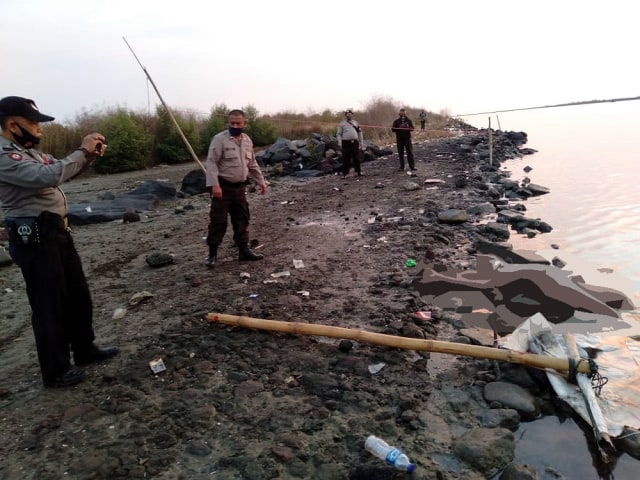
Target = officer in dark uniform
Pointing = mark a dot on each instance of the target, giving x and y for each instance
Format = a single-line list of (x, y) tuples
[(403, 126), (40, 241)]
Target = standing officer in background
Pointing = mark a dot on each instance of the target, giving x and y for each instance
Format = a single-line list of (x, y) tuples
[(350, 138), (403, 126), (230, 161), (423, 119), (40, 242)]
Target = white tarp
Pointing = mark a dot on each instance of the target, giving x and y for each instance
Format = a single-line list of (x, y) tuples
[(617, 358)]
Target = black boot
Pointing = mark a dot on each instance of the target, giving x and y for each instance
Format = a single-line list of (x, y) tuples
[(245, 253), (210, 262)]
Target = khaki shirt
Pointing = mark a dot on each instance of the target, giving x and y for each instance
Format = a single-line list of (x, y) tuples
[(348, 131), (232, 160), (29, 180)]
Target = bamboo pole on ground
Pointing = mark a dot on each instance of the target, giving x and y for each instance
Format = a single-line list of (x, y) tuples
[(296, 328)]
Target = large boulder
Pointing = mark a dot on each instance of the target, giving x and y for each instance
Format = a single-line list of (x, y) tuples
[(194, 182)]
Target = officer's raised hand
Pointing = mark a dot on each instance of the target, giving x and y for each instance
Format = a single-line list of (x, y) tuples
[(93, 145)]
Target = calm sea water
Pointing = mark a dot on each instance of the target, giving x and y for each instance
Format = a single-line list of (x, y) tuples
[(589, 157)]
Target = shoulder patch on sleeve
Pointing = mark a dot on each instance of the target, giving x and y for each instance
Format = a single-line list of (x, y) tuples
[(15, 156)]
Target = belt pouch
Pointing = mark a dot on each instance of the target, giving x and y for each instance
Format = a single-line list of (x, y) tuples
[(24, 230)]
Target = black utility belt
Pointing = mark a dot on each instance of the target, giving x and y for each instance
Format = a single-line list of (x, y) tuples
[(227, 183), (33, 230), (349, 141)]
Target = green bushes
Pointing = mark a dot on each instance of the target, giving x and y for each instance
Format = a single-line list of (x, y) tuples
[(129, 146), (170, 148), (261, 131)]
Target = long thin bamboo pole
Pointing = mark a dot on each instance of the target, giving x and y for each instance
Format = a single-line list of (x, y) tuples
[(166, 107), (529, 359)]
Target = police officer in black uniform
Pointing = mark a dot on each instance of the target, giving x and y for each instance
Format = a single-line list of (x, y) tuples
[(41, 244)]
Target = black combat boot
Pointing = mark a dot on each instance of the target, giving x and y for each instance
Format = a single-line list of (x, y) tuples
[(210, 262), (245, 253)]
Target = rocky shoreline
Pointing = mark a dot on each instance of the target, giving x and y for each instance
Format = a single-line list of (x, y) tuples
[(235, 403)]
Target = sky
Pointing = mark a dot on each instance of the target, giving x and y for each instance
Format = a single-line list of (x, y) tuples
[(449, 56)]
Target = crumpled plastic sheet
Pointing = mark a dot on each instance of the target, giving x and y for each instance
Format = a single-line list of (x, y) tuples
[(618, 360)]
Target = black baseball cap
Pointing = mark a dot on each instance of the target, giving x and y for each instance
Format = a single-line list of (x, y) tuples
[(22, 107), (348, 110)]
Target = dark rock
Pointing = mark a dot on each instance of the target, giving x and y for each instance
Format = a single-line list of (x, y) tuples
[(487, 450), (194, 182), (156, 260)]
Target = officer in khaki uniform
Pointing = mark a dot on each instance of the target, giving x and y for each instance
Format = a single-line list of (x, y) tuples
[(40, 242), (350, 138), (230, 162)]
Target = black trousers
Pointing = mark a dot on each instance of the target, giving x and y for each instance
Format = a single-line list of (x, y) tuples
[(61, 306), (350, 155), (233, 204), (405, 144)]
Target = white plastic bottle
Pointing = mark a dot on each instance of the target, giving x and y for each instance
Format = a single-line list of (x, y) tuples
[(389, 454)]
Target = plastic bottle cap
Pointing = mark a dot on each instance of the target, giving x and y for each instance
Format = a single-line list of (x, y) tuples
[(411, 467)]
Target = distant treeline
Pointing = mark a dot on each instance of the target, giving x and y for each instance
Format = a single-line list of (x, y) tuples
[(139, 140)]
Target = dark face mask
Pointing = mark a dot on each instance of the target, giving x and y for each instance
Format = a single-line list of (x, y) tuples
[(26, 140), (235, 131)]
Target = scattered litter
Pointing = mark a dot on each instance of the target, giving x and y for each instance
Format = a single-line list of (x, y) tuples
[(336, 189), (481, 310), (413, 357), (376, 367), (119, 313), (157, 365), (192, 355), (285, 273), (379, 185), (411, 186), (140, 297), (245, 275), (383, 239), (7, 290), (371, 220), (253, 295), (430, 181), (393, 219), (423, 315), (88, 209), (288, 202), (304, 293), (270, 281), (410, 262), (298, 263)]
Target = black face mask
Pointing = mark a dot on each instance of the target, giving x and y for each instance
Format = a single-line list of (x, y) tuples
[(235, 131), (27, 140)]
